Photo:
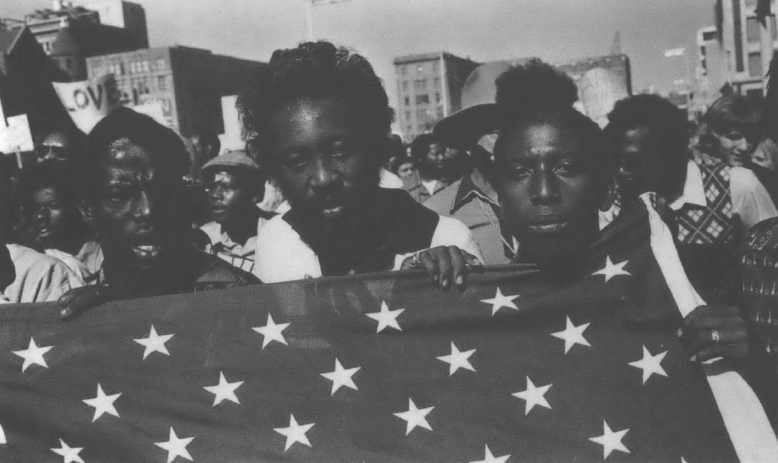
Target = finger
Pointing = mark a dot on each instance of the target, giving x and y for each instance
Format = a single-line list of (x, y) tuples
[(727, 351), (472, 260), (700, 316), (429, 264), (458, 266), (706, 339), (445, 267)]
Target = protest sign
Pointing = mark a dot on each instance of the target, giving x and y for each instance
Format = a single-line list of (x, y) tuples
[(88, 101), (16, 136)]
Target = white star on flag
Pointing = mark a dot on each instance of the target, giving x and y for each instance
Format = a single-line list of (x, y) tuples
[(457, 360), (533, 395), (154, 343), (610, 440), (272, 331), (2, 436), (69, 454), (499, 301), (415, 417), (176, 447), (103, 403), (572, 335), (489, 458), (650, 364), (33, 355), (611, 270), (341, 377), (386, 318), (295, 433), (224, 390)]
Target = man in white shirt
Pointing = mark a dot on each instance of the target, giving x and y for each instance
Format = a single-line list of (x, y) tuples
[(321, 126)]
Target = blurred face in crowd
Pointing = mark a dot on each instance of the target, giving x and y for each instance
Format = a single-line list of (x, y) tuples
[(324, 163), (547, 181), (52, 218), (441, 162), (734, 147), (204, 151), (405, 170), (229, 196), (641, 169), (139, 210), (57, 146)]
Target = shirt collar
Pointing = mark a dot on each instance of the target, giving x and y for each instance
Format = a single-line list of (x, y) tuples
[(693, 189), (469, 188)]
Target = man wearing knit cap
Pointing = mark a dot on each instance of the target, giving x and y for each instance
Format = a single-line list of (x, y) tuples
[(234, 184)]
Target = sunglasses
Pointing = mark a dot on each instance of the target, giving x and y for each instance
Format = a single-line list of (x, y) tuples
[(43, 150)]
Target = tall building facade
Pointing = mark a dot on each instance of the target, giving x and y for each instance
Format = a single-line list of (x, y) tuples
[(740, 44), (185, 84), (70, 34), (429, 88)]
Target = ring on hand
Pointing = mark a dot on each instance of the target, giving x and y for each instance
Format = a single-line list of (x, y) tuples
[(715, 336)]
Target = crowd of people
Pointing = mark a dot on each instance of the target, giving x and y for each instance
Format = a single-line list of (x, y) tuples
[(323, 189)]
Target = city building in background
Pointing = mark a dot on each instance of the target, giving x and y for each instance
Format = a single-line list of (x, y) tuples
[(180, 86), (26, 75), (741, 41), (70, 34), (429, 87), (711, 77)]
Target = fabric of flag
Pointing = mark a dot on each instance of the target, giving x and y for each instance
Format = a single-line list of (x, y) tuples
[(379, 368)]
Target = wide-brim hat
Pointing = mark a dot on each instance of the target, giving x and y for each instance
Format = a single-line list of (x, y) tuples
[(478, 116)]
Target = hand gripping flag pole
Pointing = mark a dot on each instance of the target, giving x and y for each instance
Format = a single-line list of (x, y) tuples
[(743, 415)]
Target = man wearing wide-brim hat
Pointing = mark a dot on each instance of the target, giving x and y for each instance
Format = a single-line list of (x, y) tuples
[(472, 199)]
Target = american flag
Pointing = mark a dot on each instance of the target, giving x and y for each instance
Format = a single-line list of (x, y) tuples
[(377, 368)]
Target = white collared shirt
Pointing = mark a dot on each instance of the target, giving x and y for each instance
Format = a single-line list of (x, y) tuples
[(750, 199), (283, 256)]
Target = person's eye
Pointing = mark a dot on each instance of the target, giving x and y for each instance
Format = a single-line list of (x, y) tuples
[(295, 162), (340, 149), (519, 172), (567, 168)]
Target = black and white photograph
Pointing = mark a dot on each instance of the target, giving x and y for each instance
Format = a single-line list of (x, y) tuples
[(344, 231)]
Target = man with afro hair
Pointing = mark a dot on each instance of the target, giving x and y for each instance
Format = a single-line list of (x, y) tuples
[(318, 121)]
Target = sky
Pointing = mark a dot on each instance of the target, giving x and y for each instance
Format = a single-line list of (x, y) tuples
[(484, 30)]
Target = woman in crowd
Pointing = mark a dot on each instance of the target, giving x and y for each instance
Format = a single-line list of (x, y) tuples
[(53, 222), (320, 125)]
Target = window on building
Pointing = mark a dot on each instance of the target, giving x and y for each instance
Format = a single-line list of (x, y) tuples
[(751, 3), (161, 65), (162, 83), (437, 97), (407, 101), (146, 66), (422, 99), (420, 85), (407, 116), (709, 35), (755, 64), (121, 69), (752, 29)]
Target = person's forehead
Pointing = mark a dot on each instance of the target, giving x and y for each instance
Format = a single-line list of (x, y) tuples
[(56, 138), (304, 114), (542, 139), (125, 160)]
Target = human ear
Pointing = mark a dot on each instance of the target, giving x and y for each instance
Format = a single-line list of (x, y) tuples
[(86, 210), (608, 195)]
